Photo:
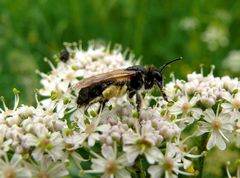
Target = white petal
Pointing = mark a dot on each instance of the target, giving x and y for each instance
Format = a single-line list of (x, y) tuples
[(98, 165), (108, 152), (220, 142), (23, 173), (155, 171), (58, 170), (132, 153), (91, 141), (15, 160), (153, 155), (226, 106), (194, 100), (227, 96), (123, 160), (209, 115), (103, 128), (123, 173), (228, 127), (196, 112), (212, 141), (37, 153)]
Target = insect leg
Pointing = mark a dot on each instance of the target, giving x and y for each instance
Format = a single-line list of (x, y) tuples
[(86, 108), (138, 101), (131, 94), (160, 86), (102, 105), (138, 98)]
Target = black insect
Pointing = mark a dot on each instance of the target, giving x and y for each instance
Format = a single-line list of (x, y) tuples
[(102, 87), (64, 55)]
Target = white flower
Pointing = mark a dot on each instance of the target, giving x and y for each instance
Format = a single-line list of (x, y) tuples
[(141, 142), (230, 84), (72, 139), (91, 130), (218, 125), (189, 23), (232, 61), (168, 164), (215, 37), (114, 133), (232, 104), (186, 107), (47, 168), (4, 144), (163, 127), (13, 168), (45, 142), (110, 165)]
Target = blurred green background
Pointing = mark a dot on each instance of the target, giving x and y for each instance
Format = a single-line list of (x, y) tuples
[(203, 32)]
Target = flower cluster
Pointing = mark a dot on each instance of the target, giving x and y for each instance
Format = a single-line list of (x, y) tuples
[(32, 134), (232, 61), (215, 37), (118, 141)]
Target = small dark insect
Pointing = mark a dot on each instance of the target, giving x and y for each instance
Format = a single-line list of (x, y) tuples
[(64, 55), (102, 87)]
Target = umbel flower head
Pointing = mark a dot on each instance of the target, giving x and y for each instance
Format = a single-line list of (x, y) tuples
[(118, 141)]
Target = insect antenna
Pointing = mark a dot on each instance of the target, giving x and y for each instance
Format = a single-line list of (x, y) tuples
[(162, 67)]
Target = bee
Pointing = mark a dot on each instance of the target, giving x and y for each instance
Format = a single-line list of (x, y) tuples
[(101, 88), (64, 55)]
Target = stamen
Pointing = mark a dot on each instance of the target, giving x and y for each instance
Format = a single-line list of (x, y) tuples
[(4, 104), (50, 63), (225, 138), (227, 170), (16, 98)]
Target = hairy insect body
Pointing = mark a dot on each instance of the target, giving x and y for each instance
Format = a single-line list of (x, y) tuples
[(92, 94), (103, 87)]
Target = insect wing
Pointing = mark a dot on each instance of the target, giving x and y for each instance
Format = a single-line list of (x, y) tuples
[(117, 75)]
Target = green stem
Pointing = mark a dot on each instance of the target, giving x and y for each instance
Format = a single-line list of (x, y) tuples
[(202, 148), (139, 169), (142, 174)]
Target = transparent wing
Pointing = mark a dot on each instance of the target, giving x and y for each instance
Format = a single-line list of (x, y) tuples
[(117, 75)]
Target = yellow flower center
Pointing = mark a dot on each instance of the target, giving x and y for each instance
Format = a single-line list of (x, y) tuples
[(8, 172), (216, 124), (90, 128), (185, 107), (70, 76), (43, 175), (143, 143), (45, 143), (111, 167), (168, 164), (236, 103)]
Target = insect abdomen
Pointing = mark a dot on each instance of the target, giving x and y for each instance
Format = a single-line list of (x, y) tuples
[(88, 94)]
